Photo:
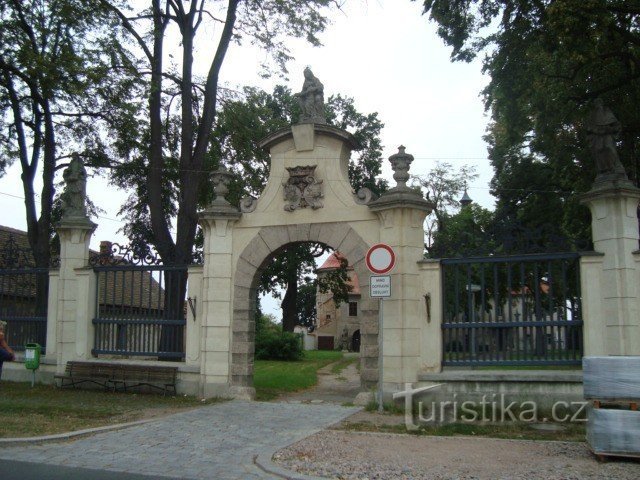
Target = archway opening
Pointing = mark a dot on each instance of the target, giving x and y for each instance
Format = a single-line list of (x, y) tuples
[(316, 314), (246, 305)]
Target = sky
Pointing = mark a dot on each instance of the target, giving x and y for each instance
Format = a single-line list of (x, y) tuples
[(383, 53)]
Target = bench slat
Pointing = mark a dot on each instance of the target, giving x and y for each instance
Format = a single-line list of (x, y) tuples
[(118, 374)]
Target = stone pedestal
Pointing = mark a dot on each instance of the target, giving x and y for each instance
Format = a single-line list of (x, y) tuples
[(216, 304), (75, 288), (610, 283)]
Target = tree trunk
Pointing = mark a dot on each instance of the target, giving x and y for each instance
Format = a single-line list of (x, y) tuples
[(289, 302)]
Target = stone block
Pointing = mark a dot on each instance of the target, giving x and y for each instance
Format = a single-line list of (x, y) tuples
[(356, 254), (244, 369), (303, 137), (244, 336), (242, 347), (370, 351), (219, 265), (299, 232), (217, 289), (315, 232), (241, 381), (244, 301), (218, 339), (336, 235), (243, 294), (243, 317), (274, 237), (216, 363), (369, 363), (257, 252), (369, 375), (244, 279), (350, 242)]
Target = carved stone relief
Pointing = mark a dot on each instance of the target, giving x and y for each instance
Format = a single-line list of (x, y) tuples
[(302, 190)]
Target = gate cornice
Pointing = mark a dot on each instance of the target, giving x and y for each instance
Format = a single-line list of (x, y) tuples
[(328, 130)]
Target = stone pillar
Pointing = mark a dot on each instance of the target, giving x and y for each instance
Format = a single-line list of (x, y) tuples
[(217, 308), (611, 311), (401, 212), (431, 339), (194, 316), (75, 298)]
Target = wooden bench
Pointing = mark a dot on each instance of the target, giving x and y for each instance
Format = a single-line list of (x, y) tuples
[(76, 373), (154, 376), (119, 375)]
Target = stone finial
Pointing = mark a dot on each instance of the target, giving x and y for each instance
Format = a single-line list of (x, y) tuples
[(220, 178), (75, 192), (603, 129), (311, 99), (400, 163)]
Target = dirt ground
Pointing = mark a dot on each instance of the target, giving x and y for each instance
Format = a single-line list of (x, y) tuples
[(342, 454), (360, 455)]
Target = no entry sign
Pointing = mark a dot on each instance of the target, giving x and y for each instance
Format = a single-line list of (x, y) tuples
[(380, 259)]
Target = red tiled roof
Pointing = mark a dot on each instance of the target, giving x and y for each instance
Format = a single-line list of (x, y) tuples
[(333, 262)]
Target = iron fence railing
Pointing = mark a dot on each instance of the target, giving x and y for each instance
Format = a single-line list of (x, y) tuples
[(23, 305), (512, 310), (140, 311)]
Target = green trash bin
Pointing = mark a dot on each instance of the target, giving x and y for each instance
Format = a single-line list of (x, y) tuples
[(32, 356), (32, 359)]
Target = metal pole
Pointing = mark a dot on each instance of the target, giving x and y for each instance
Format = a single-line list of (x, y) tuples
[(380, 325)]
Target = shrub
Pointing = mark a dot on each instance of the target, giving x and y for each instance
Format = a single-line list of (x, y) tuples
[(278, 345)]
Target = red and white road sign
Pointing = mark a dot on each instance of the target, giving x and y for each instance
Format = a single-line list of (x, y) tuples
[(380, 259)]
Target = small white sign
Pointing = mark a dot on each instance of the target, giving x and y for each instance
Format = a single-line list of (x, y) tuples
[(380, 285), (29, 354)]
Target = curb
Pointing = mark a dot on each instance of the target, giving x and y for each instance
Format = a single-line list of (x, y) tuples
[(263, 462), (69, 435)]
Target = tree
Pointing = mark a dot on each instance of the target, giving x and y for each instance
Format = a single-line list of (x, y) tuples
[(243, 120), (61, 91), (443, 186), (547, 61), (181, 110), (464, 233)]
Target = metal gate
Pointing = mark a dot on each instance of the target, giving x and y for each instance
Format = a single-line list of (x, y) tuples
[(140, 306), (512, 310), (23, 294)]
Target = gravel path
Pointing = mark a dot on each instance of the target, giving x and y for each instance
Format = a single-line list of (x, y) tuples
[(357, 455)]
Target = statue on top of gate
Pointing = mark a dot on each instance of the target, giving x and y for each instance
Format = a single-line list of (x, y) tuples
[(75, 192), (603, 129), (311, 99)]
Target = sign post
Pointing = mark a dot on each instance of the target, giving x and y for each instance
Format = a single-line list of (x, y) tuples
[(380, 259)]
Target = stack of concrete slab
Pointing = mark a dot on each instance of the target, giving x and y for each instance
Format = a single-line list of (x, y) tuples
[(612, 384)]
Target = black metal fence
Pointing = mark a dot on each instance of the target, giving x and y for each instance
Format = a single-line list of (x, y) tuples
[(140, 310), (512, 310), (23, 305)]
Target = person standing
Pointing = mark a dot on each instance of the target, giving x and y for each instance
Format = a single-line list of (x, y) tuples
[(6, 353)]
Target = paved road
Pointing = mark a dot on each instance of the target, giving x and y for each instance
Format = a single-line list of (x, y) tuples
[(12, 470), (214, 442)]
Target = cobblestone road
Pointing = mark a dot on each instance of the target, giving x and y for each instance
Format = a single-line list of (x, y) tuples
[(214, 442)]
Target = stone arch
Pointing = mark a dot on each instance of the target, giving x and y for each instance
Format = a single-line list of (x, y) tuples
[(266, 243)]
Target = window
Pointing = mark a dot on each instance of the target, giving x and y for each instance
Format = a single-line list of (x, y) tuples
[(353, 309)]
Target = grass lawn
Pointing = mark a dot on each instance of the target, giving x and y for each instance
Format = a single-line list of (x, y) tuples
[(572, 432), (272, 378), (45, 409)]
